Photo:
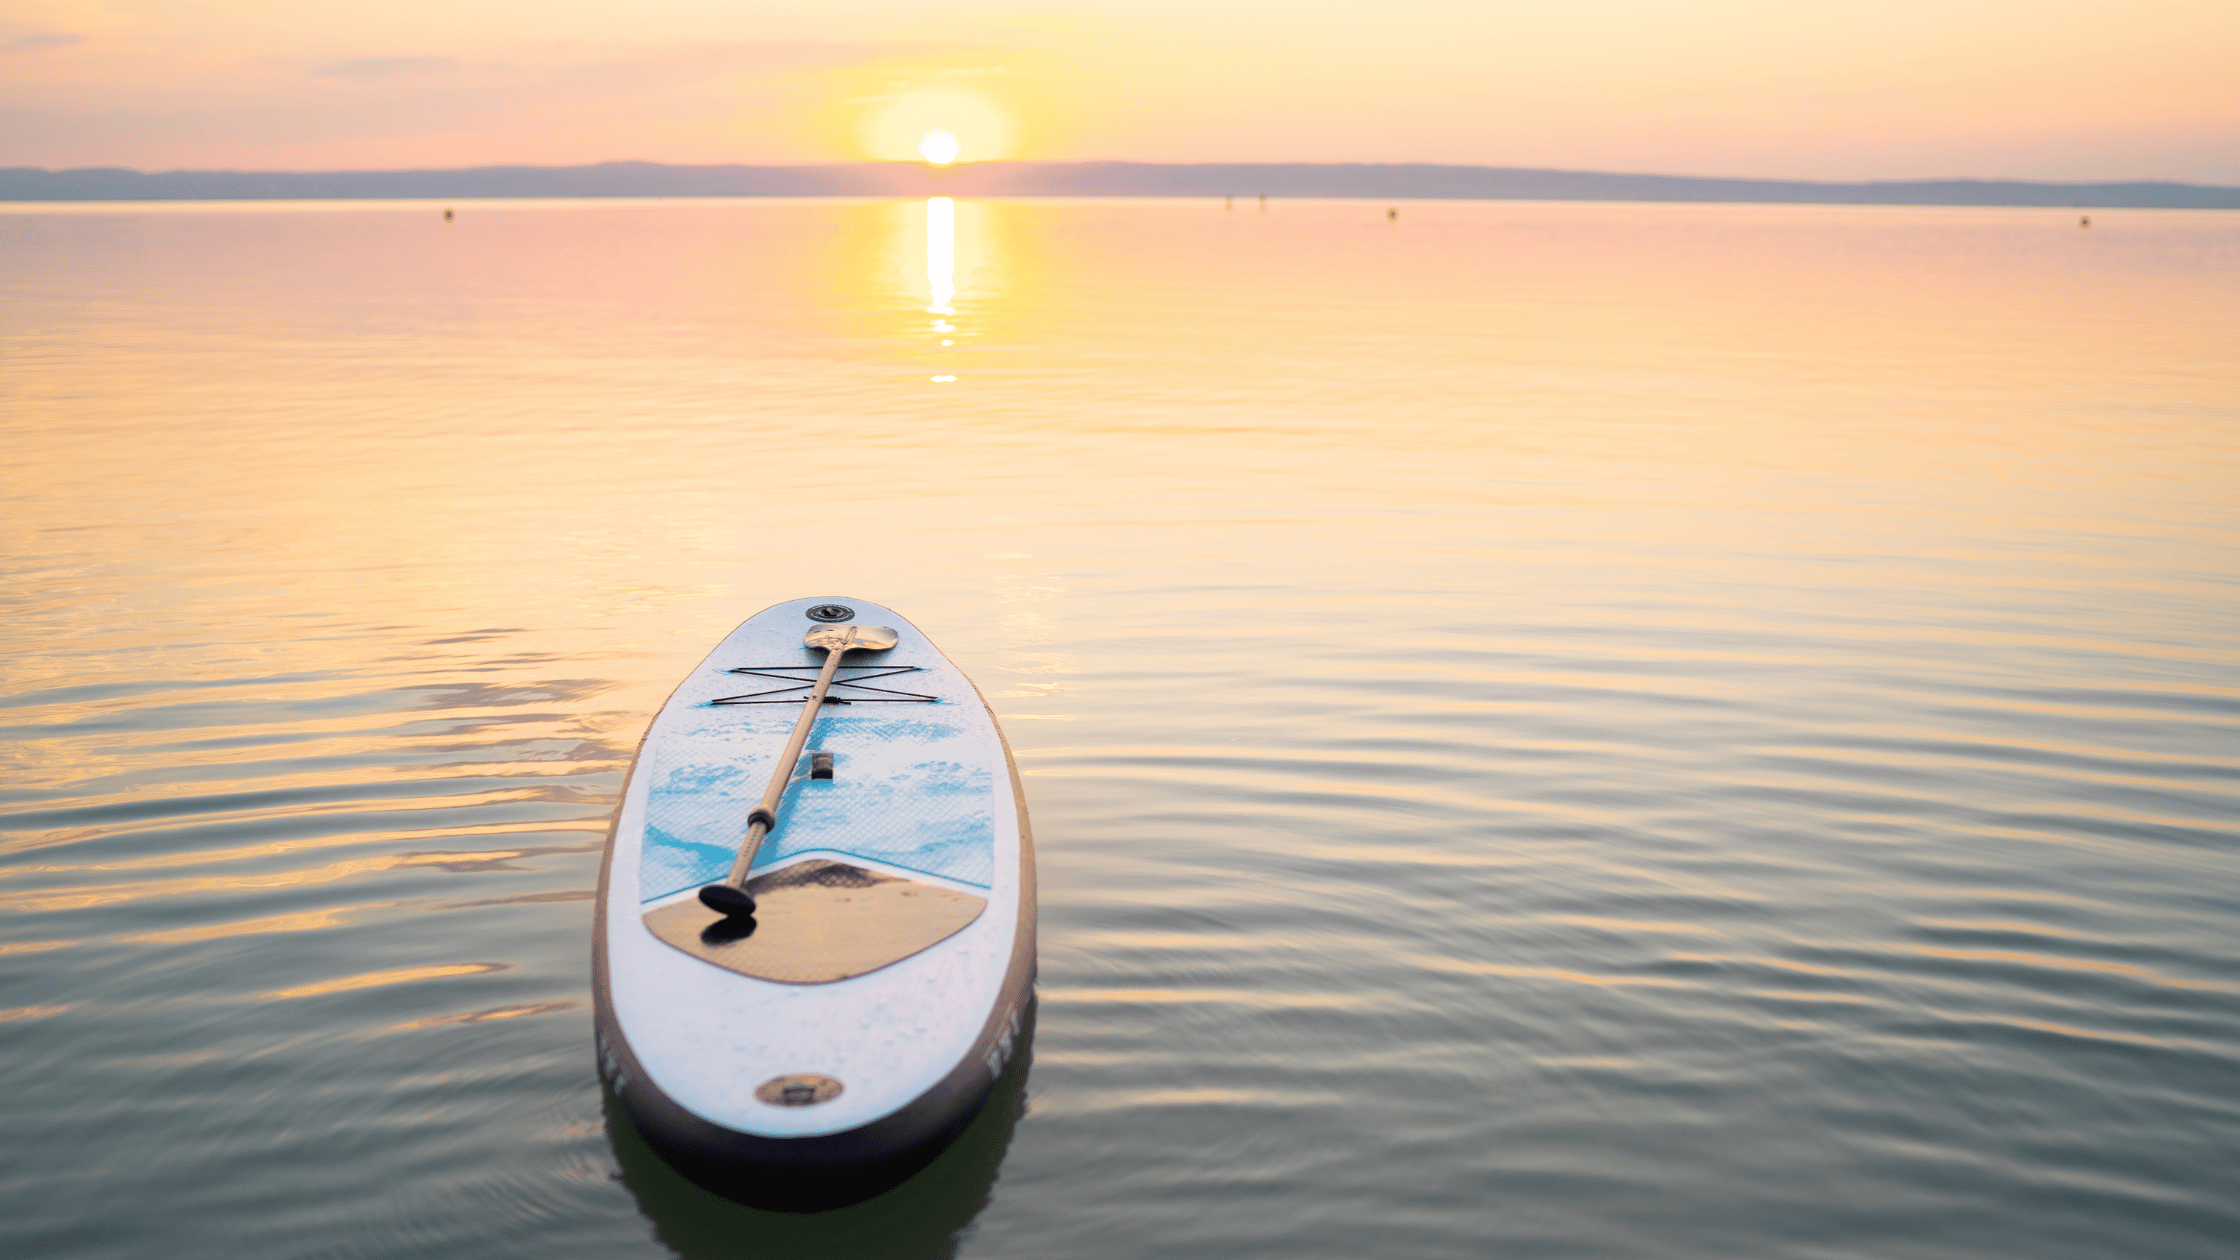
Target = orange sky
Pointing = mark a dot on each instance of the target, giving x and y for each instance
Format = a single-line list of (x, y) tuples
[(1834, 89)]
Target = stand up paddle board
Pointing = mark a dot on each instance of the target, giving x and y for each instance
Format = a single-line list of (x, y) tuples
[(809, 1025)]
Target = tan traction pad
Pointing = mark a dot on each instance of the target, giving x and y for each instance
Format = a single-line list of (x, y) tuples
[(818, 922)]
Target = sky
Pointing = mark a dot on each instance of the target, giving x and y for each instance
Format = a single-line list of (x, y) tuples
[(1798, 89)]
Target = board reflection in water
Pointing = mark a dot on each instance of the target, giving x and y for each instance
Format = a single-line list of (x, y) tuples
[(921, 1219)]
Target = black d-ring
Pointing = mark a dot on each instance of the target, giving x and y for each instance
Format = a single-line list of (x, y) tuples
[(832, 612)]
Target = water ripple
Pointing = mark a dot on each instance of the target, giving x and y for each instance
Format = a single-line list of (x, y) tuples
[(1559, 731)]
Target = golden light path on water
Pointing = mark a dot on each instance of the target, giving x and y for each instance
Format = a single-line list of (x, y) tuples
[(941, 255), (1553, 729)]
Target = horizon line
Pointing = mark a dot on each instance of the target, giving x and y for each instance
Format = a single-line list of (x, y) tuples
[(1383, 181), (925, 168)]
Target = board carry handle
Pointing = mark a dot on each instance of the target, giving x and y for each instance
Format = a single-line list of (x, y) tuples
[(730, 897)]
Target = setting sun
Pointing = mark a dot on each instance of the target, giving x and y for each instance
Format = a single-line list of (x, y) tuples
[(939, 147), (939, 126)]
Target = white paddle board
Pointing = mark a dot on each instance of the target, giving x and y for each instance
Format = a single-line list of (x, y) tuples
[(834, 1044)]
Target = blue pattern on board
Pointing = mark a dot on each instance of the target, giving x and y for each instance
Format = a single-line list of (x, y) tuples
[(896, 801)]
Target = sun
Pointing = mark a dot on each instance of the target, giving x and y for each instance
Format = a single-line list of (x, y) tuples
[(939, 147), (940, 126)]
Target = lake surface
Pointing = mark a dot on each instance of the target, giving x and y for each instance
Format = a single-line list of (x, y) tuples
[(1553, 730)]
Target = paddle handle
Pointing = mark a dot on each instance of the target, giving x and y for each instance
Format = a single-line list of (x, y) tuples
[(764, 819)]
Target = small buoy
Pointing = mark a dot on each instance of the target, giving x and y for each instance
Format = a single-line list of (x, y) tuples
[(1227, 202), (2084, 220), (447, 214), (1263, 201), (1392, 214)]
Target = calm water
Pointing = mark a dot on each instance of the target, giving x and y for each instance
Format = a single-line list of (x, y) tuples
[(1553, 730)]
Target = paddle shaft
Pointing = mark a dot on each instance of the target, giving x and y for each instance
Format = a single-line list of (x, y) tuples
[(765, 818)]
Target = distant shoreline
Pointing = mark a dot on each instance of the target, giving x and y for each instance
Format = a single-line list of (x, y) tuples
[(1082, 179)]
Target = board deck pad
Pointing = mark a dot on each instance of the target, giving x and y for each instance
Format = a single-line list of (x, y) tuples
[(818, 922), (912, 794), (910, 789)]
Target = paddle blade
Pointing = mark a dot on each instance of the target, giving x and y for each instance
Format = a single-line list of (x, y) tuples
[(727, 901), (852, 638)]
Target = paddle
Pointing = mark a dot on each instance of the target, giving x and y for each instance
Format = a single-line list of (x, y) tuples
[(731, 897)]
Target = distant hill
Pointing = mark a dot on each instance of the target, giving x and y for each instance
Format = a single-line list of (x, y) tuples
[(1077, 179)]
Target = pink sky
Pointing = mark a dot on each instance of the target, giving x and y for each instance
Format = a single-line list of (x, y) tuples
[(1836, 89)]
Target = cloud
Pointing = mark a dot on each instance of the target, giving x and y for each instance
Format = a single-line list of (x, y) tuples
[(378, 69), (40, 42)]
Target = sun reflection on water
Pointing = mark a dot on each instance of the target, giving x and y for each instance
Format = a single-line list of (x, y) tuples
[(941, 255)]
